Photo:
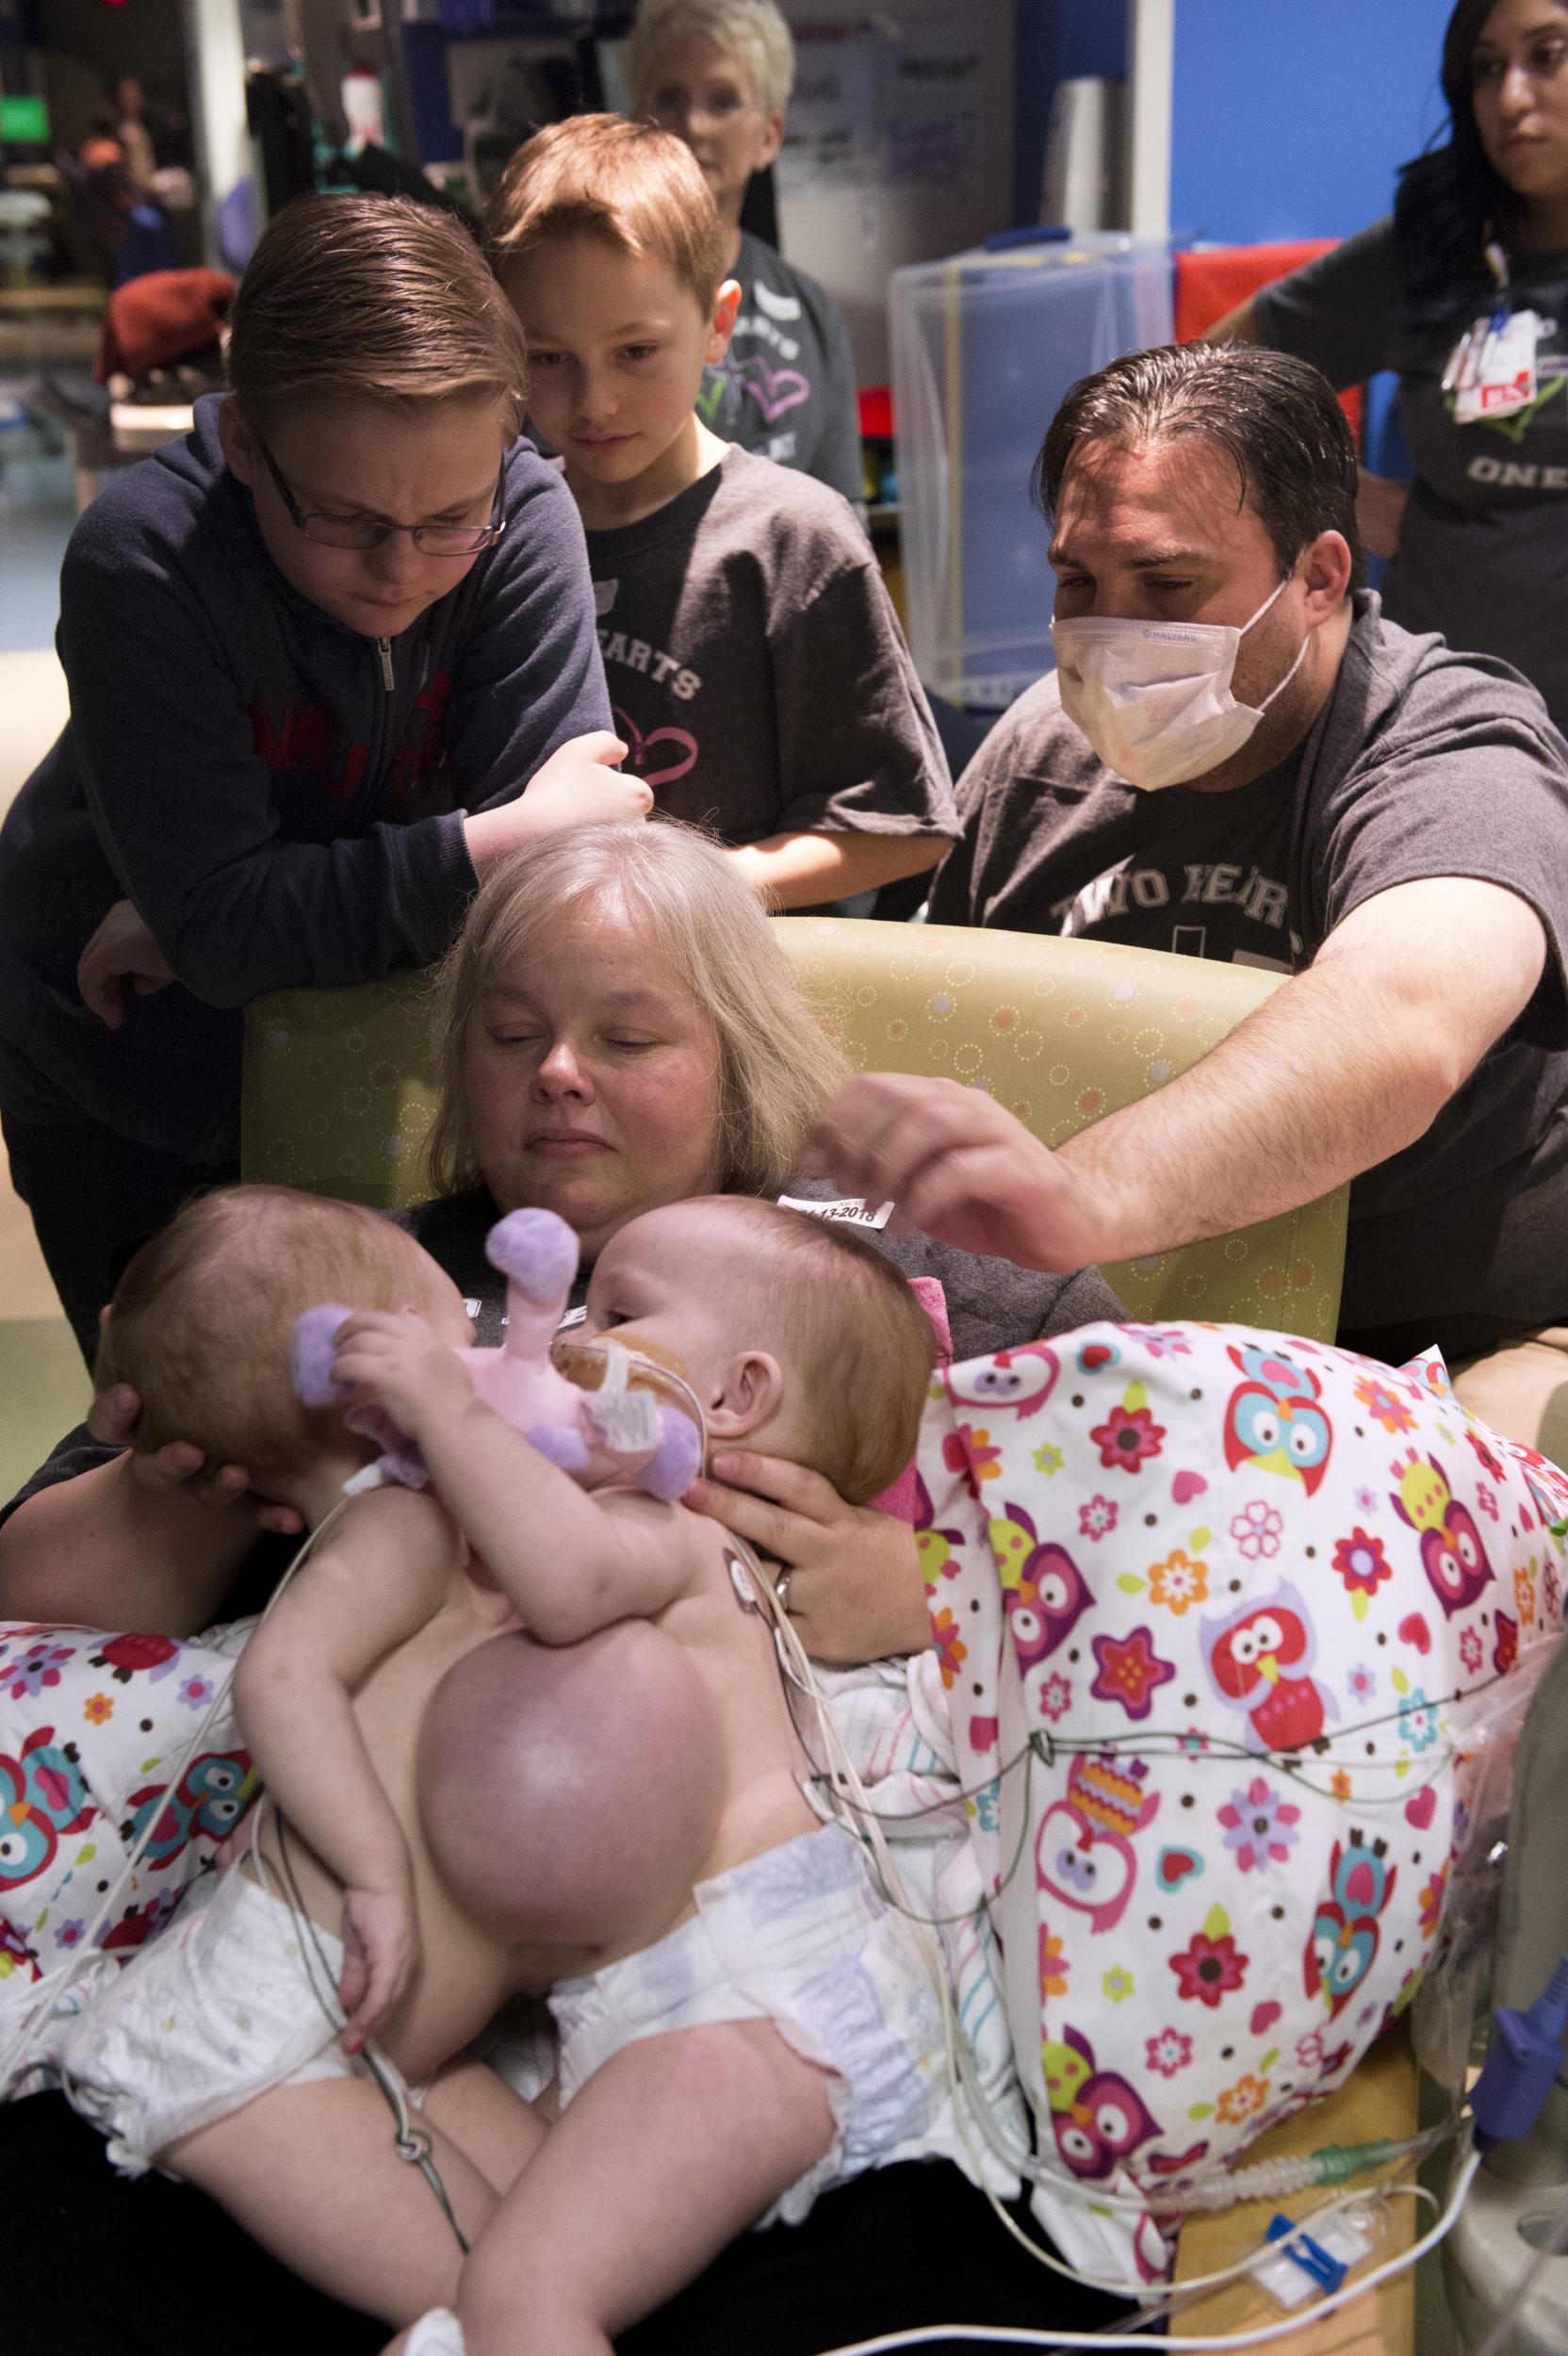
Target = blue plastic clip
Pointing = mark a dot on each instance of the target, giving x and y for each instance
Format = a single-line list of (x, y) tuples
[(1311, 2257), (1047, 233)]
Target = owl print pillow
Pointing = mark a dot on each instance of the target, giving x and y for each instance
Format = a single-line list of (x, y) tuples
[(106, 1740), (1209, 1605)]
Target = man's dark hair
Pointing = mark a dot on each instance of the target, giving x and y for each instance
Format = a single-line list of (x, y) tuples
[(1276, 419)]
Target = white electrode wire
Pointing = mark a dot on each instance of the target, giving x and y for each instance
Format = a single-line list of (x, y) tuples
[(1503, 2321), (53, 1985), (966, 2091), (1261, 2335), (846, 1782)]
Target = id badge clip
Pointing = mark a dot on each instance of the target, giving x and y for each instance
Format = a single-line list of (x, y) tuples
[(1492, 368)]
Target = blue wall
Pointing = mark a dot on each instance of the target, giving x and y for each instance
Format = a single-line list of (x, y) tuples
[(1289, 116)]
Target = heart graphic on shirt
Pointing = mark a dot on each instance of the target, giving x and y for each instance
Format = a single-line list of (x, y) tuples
[(983, 1733), (1413, 1630), (1263, 2018), (774, 390), (1186, 1486), (641, 746), (1421, 1808)]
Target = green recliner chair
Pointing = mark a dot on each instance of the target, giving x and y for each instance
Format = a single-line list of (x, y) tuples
[(339, 1093)]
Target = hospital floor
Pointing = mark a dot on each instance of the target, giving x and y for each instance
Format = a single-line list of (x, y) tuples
[(43, 1384)]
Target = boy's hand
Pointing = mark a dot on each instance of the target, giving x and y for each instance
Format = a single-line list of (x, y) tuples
[(121, 957), (180, 1469), (855, 1591), (380, 1947), (579, 786), (390, 1359)]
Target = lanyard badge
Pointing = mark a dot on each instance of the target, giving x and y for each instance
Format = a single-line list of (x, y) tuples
[(1491, 371)]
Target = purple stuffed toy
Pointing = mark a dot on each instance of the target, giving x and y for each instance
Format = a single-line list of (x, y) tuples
[(615, 1433)]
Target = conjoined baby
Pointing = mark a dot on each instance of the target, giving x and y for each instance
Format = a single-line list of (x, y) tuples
[(516, 1734)]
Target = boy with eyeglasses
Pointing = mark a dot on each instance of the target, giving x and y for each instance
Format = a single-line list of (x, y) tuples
[(330, 659)]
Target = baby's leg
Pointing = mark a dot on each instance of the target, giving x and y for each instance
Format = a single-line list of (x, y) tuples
[(674, 2146), (489, 2123), (311, 2172)]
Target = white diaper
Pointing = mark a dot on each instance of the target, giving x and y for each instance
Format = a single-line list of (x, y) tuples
[(800, 1936), (439, 2333), (216, 2010)]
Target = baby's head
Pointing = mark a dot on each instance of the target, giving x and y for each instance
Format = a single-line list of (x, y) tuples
[(606, 242), (795, 1334), (201, 1320)]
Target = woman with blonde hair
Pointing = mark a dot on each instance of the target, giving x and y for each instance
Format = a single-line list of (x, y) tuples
[(330, 658), (617, 1027), (718, 73)]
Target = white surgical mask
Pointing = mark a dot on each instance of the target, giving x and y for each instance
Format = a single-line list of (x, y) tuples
[(1155, 698)]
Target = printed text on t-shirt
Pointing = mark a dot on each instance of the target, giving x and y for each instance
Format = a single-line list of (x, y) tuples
[(636, 653)]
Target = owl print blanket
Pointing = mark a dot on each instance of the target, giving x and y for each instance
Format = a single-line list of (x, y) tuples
[(1211, 1607)]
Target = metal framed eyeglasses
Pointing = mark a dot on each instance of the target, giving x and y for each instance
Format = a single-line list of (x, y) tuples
[(369, 532)]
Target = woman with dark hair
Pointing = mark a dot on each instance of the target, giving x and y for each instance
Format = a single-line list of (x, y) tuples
[(1464, 290)]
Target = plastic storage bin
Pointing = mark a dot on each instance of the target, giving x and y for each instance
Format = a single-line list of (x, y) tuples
[(984, 346)]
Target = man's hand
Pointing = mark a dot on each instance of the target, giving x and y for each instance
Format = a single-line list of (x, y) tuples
[(121, 957), (958, 1167), (855, 1591), (390, 1359), (579, 786), (381, 1948), (180, 1469)]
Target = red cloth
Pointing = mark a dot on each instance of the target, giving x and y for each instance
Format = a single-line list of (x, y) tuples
[(876, 412), (1209, 284), (159, 319)]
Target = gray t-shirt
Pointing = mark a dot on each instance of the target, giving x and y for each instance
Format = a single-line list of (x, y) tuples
[(786, 386), (1484, 544), (755, 666), (1422, 763)]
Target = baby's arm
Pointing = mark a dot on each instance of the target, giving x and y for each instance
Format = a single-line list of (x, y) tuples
[(383, 1572), (569, 1562)]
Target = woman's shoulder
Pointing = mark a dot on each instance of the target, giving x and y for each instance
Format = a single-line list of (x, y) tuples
[(761, 264), (990, 1303)]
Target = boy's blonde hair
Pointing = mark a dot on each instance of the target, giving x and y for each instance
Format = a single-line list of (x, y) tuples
[(777, 1066), (862, 1347), (753, 30), (205, 1312), (638, 189), (371, 298)]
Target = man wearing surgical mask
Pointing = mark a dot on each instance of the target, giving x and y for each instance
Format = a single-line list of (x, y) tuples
[(1236, 756)]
